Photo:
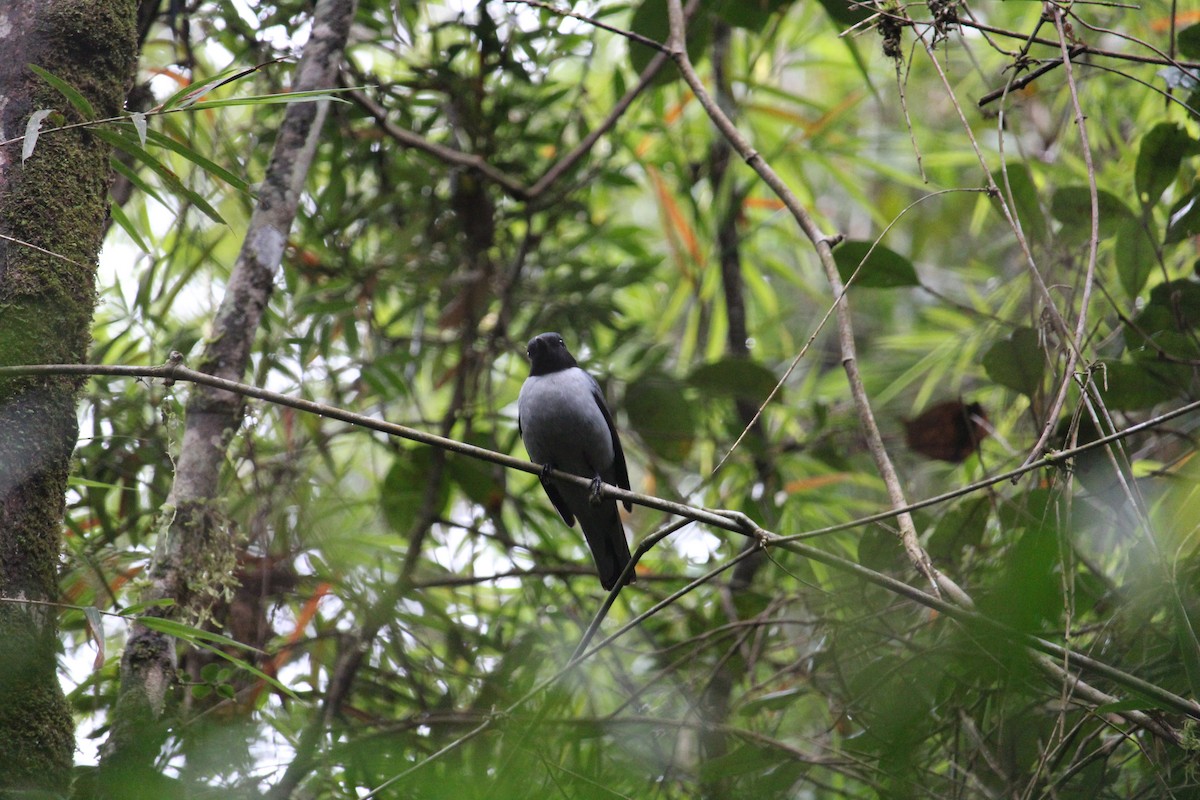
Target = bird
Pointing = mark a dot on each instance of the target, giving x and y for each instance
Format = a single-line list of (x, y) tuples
[(565, 424)]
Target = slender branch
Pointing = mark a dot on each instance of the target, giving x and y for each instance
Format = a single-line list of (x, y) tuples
[(823, 245), (174, 371), (1089, 280)]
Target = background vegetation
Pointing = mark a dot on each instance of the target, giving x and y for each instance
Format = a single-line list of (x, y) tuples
[(413, 610)]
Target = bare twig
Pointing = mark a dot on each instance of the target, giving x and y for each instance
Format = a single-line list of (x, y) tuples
[(823, 245)]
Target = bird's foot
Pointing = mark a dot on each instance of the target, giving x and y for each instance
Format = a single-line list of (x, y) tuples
[(544, 475), (594, 495)]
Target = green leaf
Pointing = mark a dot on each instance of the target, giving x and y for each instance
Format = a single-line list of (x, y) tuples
[(1024, 201), (209, 641), (1188, 41), (733, 377), (77, 100), (483, 483), (846, 13), (960, 528), (122, 220), (753, 15), (1017, 362), (206, 164), (661, 414), (193, 636), (1161, 152), (879, 549), (772, 701), (650, 20), (1129, 386), (1184, 219), (283, 98), (119, 139), (1135, 255), (1072, 206), (138, 608), (884, 268), (402, 495)]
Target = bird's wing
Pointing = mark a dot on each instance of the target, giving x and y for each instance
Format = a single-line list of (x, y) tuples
[(620, 470), (552, 491), (559, 502)]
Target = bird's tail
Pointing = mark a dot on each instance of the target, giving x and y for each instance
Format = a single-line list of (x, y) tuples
[(606, 539)]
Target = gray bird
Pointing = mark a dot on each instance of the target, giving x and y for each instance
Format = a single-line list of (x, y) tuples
[(566, 425)]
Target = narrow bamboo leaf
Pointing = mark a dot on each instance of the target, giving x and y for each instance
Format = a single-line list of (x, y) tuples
[(138, 608), (32, 129), (122, 219), (119, 140), (188, 95), (191, 635), (270, 99), (77, 100), (136, 179), (199, 160)]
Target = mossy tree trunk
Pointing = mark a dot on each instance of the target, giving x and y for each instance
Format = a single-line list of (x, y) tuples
[(53, 207)]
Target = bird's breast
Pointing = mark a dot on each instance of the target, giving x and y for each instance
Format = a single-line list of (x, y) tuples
[(561, 423)]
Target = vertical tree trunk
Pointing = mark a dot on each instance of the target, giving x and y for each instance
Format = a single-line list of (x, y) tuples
[(52, 212), (194, 535)]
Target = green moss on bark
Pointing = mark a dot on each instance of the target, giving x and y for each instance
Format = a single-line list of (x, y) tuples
[(55, 205)]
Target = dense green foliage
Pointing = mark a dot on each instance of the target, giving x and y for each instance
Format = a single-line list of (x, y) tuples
[(411, 284)]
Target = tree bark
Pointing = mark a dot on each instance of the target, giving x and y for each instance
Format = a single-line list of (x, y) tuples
[(53, 207)]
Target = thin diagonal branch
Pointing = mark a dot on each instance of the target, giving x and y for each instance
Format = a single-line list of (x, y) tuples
[(823, 245), (730, 521)]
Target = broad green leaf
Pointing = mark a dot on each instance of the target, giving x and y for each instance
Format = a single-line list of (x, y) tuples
[(753, 15), (1024, 199), (1160, 154), (1188, 41), (1184, 219), (650, 20), (733, 377), (1136, 257), (661, 414), (845, 13), (1072, 206), (405, 488), (960, 528), (884, 268), (1017, 362), (1127, 386)]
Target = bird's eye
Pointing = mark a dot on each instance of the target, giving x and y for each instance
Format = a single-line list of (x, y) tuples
[(560, 341)]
